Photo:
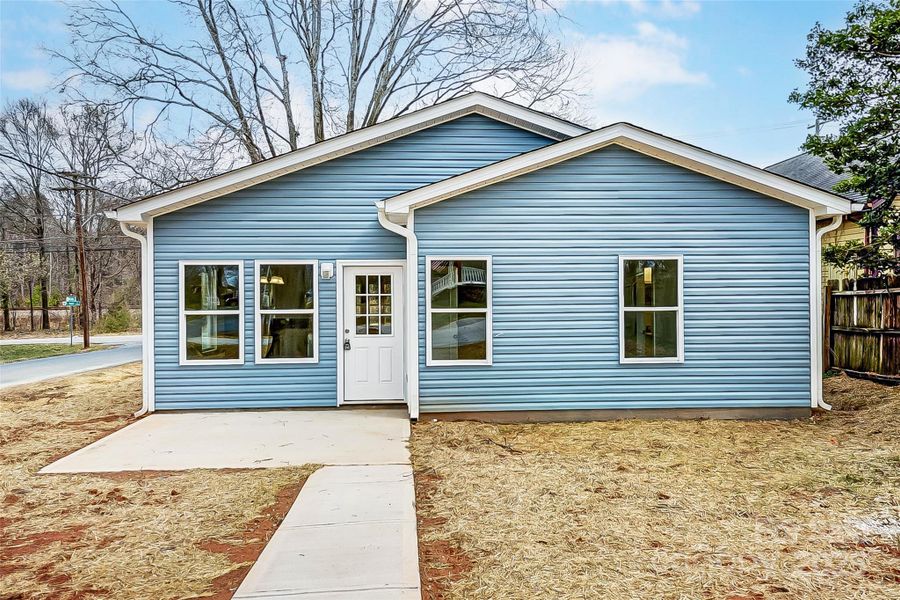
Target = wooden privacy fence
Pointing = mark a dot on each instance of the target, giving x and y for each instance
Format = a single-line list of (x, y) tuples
[(862, 325)]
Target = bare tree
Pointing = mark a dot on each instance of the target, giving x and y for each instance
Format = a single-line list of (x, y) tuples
[(356, 62), (27, 135), (91, 143)]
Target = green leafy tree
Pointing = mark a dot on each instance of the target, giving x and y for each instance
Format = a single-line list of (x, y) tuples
[(854, 83)]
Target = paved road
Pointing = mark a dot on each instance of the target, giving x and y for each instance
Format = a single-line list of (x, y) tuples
[(95, 339), (31, 371)]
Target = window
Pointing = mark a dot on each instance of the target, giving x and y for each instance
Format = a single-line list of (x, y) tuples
[(651, 320), (211, 303), (458, 311), (373, 305), (287, 324)]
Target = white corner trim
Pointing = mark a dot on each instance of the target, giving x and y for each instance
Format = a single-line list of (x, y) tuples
[(258, 313), (679, 314), (488, 312), (182, 316), (354, 141), (634, 138), (411, 289), (817, 323)]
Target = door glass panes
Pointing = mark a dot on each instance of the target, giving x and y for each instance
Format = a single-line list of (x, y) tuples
[(374, 305)]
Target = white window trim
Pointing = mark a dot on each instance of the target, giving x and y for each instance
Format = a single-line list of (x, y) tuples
[(489, 315), (258, 312), (183, 314), (679, 309)]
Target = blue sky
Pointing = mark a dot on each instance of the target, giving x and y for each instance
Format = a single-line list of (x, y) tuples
[(716, 74)]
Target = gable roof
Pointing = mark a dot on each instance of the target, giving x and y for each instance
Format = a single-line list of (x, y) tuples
[(812, 170), (635, 138), (244, 177)]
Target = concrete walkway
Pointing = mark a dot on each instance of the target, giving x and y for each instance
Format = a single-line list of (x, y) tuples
[(32, 371), (351, 533), (246, 439)]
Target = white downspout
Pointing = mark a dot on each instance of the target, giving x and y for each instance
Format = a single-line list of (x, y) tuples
[(146, 321), (412, 307), (820, 323)]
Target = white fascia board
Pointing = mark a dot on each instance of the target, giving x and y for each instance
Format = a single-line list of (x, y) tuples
[(640, 140), (354, 141)]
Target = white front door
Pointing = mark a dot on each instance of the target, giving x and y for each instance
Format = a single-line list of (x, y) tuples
[(373, 333)]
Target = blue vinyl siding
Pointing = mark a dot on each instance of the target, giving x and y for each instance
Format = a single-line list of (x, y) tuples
[(555, 236), (324, 213)]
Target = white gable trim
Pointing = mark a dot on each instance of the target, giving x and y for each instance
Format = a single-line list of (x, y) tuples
[(354, 141), (635, 138)]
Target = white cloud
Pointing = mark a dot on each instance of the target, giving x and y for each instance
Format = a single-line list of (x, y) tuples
[(664, 8), (622, 67), (29, 80)]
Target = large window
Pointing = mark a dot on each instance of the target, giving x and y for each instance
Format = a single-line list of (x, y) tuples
[(651, 322), (211, 307), (286, 312), (458, 328)]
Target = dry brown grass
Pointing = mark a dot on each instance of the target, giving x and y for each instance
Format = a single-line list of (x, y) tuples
[(666, 509), (130, 535)]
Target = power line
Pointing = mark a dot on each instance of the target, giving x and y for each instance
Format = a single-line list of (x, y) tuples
[(68, 178), (59, 250)]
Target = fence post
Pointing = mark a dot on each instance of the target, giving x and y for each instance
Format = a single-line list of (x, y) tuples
[(826, 329)]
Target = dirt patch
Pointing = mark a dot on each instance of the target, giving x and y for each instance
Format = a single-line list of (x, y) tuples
[(252, 541), (441, 562), (121, 535), (665, 509)]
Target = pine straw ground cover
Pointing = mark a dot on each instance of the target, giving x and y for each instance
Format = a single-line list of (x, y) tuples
[(151, 535), (666, 509)]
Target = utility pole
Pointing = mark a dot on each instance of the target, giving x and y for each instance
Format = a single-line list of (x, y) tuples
[(82, 266)]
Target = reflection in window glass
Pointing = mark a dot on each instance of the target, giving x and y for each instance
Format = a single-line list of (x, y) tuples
[(459, 284), (651, 282), (287, 336), (651, 334), (286, 287), (458, 336), (212, 337), (211, 287)]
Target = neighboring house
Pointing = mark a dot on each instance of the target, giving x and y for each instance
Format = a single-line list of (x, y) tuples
[(812, 170), (478, 257)]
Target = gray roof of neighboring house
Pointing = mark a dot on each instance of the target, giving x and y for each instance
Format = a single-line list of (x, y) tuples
[(811, 170)]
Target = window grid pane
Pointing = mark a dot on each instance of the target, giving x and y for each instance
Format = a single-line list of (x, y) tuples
[(458, 309), (651, 311)]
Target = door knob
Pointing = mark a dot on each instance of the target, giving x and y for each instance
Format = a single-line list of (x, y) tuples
[(346, 344)]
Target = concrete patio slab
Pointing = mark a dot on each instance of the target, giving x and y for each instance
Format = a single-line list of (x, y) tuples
[(247, 439), (350, 534)]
